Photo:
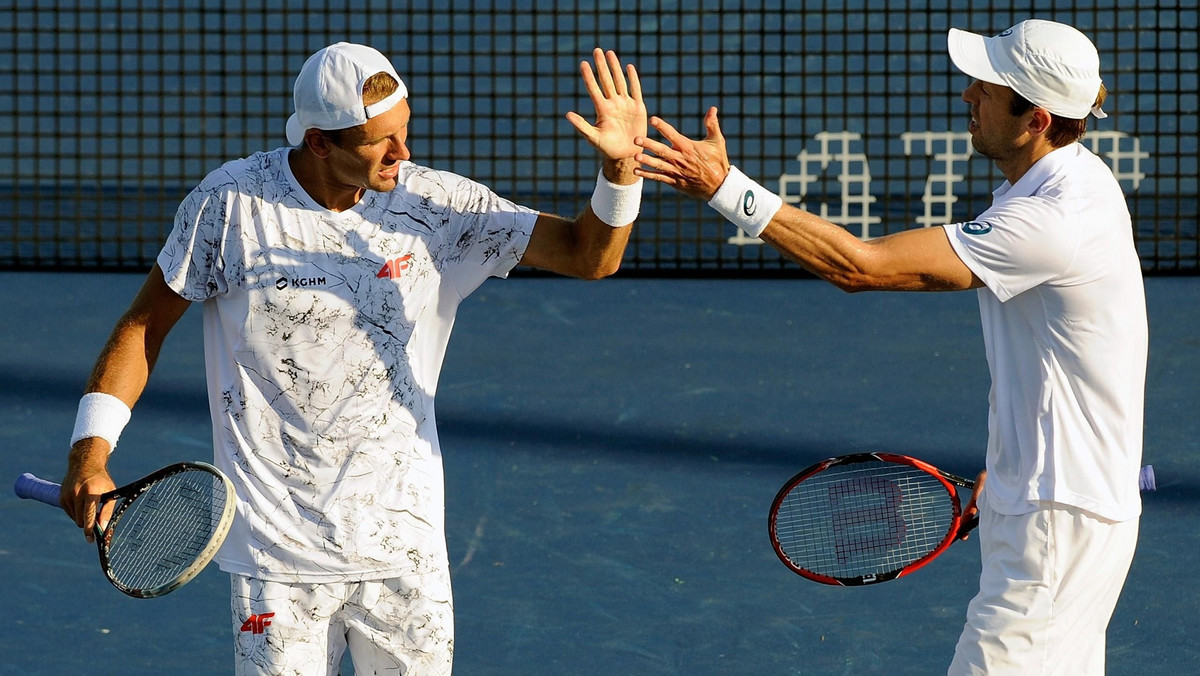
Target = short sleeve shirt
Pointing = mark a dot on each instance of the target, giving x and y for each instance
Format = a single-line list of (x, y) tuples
[(324, 337), (1064, 322)]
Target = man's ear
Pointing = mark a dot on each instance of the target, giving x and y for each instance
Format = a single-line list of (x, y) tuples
[(318, 143), (1039, 121)]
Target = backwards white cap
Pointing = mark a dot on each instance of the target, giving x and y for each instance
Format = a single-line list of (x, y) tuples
[(1052, 65), (329, 89)]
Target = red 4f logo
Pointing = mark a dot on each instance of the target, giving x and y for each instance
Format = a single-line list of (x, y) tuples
[(394, 268), (256, 624)]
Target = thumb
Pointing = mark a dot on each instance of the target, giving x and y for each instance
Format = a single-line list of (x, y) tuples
[(713, 126)]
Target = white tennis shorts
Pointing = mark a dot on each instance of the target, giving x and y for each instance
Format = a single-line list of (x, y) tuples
[(398, 626), (1048, 589)]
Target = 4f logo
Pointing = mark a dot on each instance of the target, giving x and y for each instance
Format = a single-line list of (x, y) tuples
[(256, 624), (394, 268)]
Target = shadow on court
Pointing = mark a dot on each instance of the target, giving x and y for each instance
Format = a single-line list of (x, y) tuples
[(611, 451)]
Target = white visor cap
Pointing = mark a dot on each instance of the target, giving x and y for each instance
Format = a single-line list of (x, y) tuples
[(328, 91), (1052, 65)]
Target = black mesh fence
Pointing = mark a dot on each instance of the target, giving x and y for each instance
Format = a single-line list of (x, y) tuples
[(112, 111)]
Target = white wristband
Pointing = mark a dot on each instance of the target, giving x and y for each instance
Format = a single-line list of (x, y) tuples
[(745, 203), (100, 415), (616, 205)]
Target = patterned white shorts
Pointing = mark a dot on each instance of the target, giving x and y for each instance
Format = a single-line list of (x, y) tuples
[(398, 626)]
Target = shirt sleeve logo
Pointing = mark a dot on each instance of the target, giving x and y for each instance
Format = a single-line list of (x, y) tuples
[(976, 228)]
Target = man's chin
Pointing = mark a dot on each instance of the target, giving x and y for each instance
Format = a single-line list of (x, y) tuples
[(380, 184), (982, 151)]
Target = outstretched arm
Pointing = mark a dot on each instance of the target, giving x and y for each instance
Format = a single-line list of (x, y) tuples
[(911, 260), (592, 245)]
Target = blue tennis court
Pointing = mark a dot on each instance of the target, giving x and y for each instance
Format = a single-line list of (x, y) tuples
[(611, 451)]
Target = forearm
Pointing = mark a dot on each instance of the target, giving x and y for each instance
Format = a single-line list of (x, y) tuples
[(592, 245), (907, 260), (823, 248), (601, 237), (599, 248), (819, 246), (121, 371), (124, 365)]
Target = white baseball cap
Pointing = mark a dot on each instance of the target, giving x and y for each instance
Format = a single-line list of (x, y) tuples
[(1053, 65), (328, 91)]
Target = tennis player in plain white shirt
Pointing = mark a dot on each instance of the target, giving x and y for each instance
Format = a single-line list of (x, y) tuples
[(1064, 321)]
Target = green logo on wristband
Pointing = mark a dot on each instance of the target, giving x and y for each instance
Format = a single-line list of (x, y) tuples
[(748, 205)]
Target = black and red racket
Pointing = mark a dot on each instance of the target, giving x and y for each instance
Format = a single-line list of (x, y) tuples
[(872, 517), (867, 518)]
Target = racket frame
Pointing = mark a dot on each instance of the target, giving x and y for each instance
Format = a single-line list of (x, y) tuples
[(125, 497), (958, 529)]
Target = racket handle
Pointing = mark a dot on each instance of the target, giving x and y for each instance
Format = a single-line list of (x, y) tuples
[(969, 524), (30, 487)]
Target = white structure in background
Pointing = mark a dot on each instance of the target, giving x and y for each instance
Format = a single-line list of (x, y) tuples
[(854, 177), (947, 150)]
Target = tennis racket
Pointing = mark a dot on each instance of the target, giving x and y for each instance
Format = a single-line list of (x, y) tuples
[(867, 518), (164, 528), (872, 517)]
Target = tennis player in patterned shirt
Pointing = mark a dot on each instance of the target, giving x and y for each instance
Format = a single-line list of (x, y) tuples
[(1064, 322), (330, 272)]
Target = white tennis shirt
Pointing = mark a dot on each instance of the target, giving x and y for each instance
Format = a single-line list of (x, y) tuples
[(324, 336), (1064, 327)]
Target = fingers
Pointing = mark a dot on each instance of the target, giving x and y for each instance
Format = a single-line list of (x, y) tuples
[(666, 154), (604, 73), (82, 502), (662, 157), (665, 179), (635, 83), (589, 81), (612, 66), (82, 509), (608, 78), (649, 144), (667, 131)]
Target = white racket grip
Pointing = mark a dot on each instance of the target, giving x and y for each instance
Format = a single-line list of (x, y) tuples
[(30, 487)]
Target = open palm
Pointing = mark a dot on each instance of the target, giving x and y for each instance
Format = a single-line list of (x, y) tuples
[(620, 111)]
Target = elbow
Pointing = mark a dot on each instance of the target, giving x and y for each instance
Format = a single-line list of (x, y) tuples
[(857, 273), (852, 282), (598, 272)]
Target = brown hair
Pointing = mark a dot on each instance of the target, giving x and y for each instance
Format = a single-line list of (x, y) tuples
[(1063, 130), (378, 87)]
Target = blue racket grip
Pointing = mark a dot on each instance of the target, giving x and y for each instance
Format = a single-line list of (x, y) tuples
[(1146, 481), (30, 487)]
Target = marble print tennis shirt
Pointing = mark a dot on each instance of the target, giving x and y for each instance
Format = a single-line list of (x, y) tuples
[(324, 336)]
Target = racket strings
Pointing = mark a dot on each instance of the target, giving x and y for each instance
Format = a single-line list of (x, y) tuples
[(165, 529), (863, 519)]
